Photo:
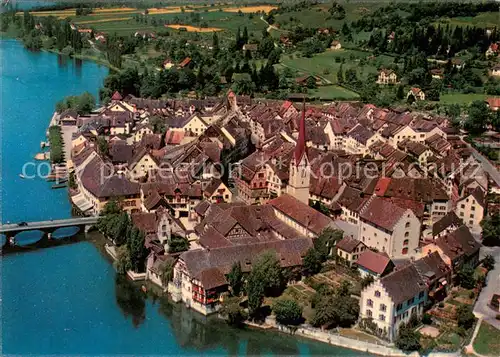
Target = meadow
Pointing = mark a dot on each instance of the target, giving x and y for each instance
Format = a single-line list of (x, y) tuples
[(461, 98)]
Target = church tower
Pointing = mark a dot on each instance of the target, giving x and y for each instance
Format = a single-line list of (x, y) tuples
[(300, 169)]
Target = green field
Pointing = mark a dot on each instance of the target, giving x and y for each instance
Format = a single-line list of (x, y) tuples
[(460, 98), (333, 92), (487, 342), (485, 19), (325, 65)]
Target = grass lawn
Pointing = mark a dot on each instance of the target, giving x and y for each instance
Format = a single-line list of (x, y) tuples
[(487, 341), (334, 92), (484, 19), (460, 98), (326, 66)]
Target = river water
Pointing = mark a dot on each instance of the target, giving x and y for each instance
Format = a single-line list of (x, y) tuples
[(67, 300)]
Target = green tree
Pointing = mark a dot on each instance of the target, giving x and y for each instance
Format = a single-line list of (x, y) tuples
[(235, 279), (167, 272), (336, 309), (255, 292), (479, 117), (86, 103), (103, 145), (287, 312), (231, 309), (465, 317), (312, 262), (267, 268), (326, 241), (136, 248), (489, 262), (465, 277), (340, 75), (400, 93), (178, 244), (408, 339), (123, 262), (367, 280), (158, 124), (491, 230)]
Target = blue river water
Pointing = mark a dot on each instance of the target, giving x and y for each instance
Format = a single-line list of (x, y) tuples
[(68, 300)]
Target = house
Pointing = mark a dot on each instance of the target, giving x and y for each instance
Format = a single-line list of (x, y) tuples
[(186, 62), (192, 125), (349, 249), (142, 163), (493, 50), (141, 130), (305, 80), (200, 276), (174, 137), (392, 300), (457, 249), (374, 264), (495, 71), (300, 216), (446, 225), (437, 73), (359, 139), (436, 274), (68, 117), (495, 302), (217, 192), (100, 36), (493, 103), (387, 76), (168, 63), (145, 35), (252, 47), (389, 228), (417, 150), (415, 93), (335, 45), (471, 208)]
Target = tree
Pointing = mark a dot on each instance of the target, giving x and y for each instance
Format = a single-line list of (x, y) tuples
[(326, 241), (312, 262), (479, 117), (408, 339), (465, 277), (489, 262), (167, 273), (136, 248), (178, 244), (233, 312), (337, 11), (255, 292), (267, 268), (122, 263), (465, 317), (335, 309), (158, 124), (340, 75), (367, 280), (491, 230), (311, 82), (287, 312), (103, 145), (235, 279)]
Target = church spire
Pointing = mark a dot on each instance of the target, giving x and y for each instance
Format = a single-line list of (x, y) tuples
[(300, 147)]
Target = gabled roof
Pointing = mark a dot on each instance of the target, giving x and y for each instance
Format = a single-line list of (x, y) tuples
[(348, 244), (373, 261), (458, 243), (403, 284), (116, 96), (382, 213), (451, 219)]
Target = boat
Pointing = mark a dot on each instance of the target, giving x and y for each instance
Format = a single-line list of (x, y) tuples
[(22, 176), (60, 185)]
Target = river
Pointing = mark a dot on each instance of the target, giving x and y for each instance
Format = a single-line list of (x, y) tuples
[(67, 300)]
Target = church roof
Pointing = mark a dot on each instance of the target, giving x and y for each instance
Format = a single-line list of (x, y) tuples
[(300, 147)]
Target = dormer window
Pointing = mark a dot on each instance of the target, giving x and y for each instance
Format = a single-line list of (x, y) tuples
[(377, 293)]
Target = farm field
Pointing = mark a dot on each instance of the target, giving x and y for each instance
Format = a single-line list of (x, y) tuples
[(334, 92), (461, 98), (486, 19), (190, 28)]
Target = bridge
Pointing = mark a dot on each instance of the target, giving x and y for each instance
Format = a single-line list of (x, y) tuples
[(47, 227)]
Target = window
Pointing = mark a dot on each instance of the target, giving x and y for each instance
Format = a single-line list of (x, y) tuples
[(383, 307), (399, 307), (411, 301), (369, 313), (421, 295), (407, 234), (461, 214), (407, 225), (473, 208), (369, 302), (462, 206), (404, 251), (472, 215), (471, 222), (381, 317), (377, 293), (406, 241)]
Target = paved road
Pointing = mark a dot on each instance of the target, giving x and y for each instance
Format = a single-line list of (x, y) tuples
[(48, 224), (487, 166), (481, 309)]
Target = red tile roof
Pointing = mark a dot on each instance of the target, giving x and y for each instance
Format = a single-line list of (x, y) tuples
[(185, 62), (374, 262), (382, 213), (174, 137), (494, 102), (116, 96), (382, 185)]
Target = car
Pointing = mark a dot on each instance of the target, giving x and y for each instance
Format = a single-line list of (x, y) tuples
[(22, 224)]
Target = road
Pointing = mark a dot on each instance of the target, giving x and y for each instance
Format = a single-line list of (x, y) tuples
[(487, 165), (48, 224), (481, 309)]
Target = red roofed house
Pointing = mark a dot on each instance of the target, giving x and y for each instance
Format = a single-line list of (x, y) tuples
[(185, 62), (416, 93), (301, 216), (168, 63), (116, 97), (389, 228), (494, 103), (349, 249), (300, 169), (174, 137), (374, 264), (493, 50)]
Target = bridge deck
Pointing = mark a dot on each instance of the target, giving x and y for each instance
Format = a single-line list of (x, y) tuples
[(57, 223)]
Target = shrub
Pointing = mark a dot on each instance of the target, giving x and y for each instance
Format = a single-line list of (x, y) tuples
[(426, 319), (472, 295), (288, 312), (441, 304)]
